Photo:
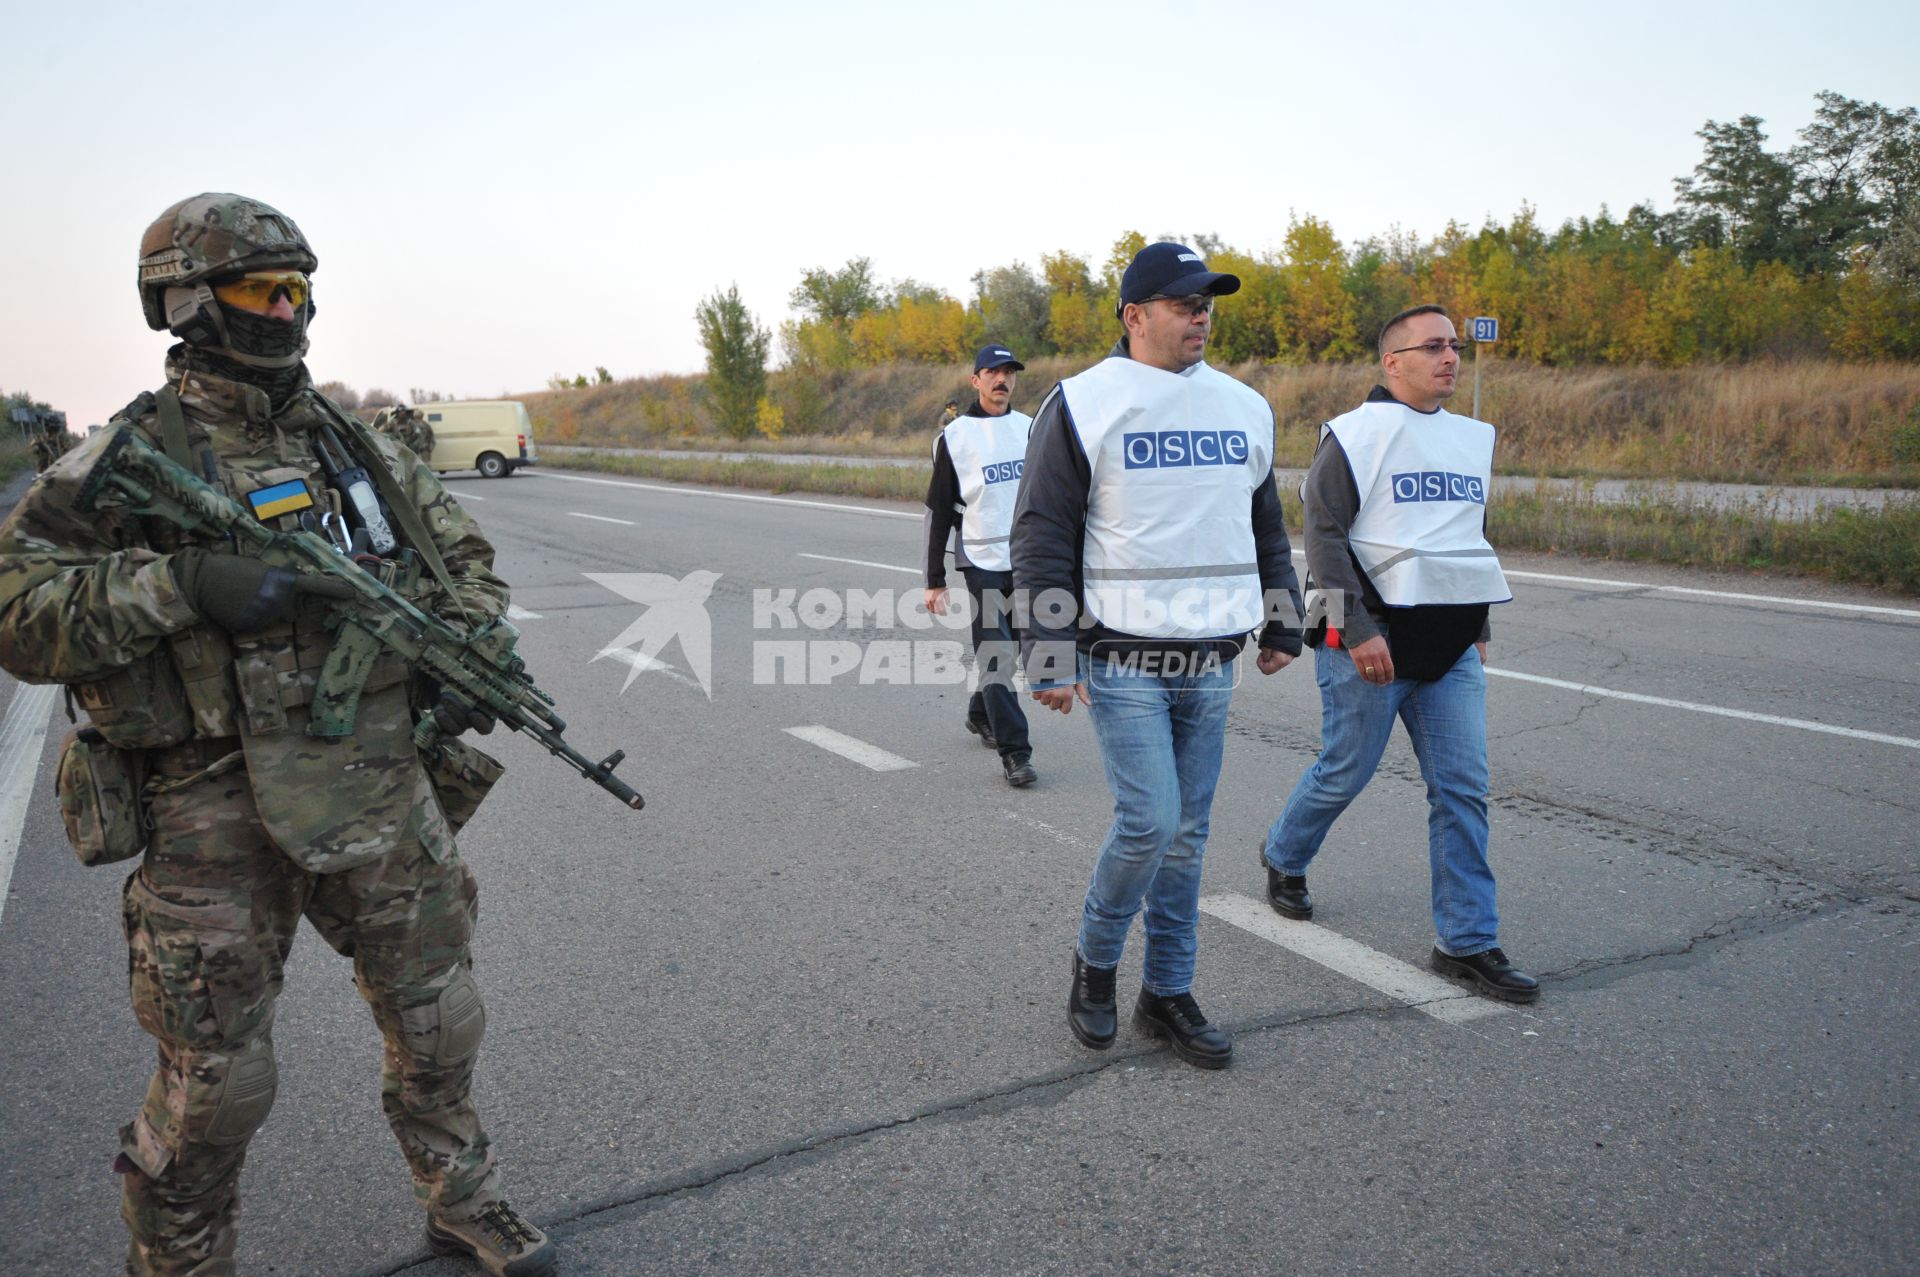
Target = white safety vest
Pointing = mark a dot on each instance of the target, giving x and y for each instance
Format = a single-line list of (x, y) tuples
[(989, 454), (1423, 480), (1176, 459)]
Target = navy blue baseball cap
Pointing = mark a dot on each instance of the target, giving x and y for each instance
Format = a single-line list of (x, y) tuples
[(1171, 270), (1000, 357)]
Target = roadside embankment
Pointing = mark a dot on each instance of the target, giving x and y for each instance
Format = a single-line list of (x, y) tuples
[(1775, 423)]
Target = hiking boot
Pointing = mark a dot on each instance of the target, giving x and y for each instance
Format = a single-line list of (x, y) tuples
[(500, 1239), (1091, 1013)]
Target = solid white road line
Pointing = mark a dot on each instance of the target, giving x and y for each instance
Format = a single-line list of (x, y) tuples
[(1422, 990), (851, 747), (865, 563), (730, 496), (1777, 721), (21, 737), (1909, 613), (601, 518), (648, 664), (517, 613)]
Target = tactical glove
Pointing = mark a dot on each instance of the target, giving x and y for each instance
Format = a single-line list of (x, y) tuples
[(454, 714), (241, 594)]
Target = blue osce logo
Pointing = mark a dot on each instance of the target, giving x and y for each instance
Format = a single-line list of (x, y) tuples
[(1439, 485), (1159, 450), (1001, 471)]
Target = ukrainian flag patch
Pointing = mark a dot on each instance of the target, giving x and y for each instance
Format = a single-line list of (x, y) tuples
[(281, 498)]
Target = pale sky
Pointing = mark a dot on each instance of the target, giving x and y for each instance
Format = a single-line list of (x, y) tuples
[(500, 192)]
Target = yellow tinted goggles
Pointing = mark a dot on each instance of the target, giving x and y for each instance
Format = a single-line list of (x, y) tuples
[(256, 290)]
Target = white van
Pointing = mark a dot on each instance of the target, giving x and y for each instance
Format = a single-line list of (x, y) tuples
[(493, 436)]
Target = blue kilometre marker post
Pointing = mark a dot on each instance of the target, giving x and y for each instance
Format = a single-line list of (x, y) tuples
[(1484, 328)]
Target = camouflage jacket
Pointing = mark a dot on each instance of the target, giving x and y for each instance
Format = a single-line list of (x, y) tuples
[(90, 600)]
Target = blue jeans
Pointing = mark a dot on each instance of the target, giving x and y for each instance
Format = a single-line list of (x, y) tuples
[(1161, 737), (1446, 719)]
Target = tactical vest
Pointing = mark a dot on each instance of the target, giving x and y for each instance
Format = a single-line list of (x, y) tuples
[(988, 455), (1423, 479), (329, 805), (1175, 458)]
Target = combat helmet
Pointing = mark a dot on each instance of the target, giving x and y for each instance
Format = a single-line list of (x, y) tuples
[(207, 238)]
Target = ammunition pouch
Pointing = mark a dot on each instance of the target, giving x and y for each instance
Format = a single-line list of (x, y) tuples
[(141, 705), (461, 776), (99, 787)]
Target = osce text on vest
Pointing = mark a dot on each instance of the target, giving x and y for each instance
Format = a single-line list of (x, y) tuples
[(1149, 450), (1439, 485)]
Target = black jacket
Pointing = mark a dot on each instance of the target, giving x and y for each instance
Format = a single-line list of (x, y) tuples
[(1049, 532), (944, 505)]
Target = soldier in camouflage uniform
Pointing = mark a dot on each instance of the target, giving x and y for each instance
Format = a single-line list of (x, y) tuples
[(196, 666), (409, 426)]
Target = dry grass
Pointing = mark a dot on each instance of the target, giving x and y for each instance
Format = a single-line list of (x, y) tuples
[(1778, 423), (15, 455)]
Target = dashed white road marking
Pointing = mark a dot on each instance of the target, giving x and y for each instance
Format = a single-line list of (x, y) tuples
[(21, 737), (1776, 720), (865, 563), (601, 518), (731, 496), (851, 747), (468, 496), (517, 613), (1422, 990), (649, 664)]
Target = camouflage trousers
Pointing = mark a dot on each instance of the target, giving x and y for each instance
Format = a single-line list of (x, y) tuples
[(210, 917)]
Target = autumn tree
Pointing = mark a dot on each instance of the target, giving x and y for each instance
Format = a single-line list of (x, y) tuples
[(736, 360)]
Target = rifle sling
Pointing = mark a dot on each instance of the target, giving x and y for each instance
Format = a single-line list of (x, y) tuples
[(173, 427)]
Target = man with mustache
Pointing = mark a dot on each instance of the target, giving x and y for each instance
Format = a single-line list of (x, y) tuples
[(1396, 517), (976, 473)]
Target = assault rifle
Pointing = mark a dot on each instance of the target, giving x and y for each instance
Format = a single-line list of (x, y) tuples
[(480, 666)]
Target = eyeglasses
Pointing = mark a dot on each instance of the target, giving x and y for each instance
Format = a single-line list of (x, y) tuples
[(1433, 348), (1196, 304), (256, 290)]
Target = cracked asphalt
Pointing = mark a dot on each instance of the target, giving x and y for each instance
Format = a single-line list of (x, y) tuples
[(803, 1017)]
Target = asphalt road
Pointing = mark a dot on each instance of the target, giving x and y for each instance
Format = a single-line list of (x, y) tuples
[(806, 1016)]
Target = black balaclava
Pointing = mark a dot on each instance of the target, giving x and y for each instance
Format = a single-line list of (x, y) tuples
[(257, 335)]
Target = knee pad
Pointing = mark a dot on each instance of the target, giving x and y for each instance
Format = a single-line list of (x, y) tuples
[(238, 1101), (447, 1030)]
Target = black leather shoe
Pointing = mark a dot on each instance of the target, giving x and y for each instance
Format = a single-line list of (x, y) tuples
[(985, 732), (1178, 1019), (1091, 1012), (1019, 769), (1490, 973), (1287, 893)]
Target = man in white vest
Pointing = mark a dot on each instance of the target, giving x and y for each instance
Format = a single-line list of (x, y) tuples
[(1147, 543), (1396, 521), (976, 472)]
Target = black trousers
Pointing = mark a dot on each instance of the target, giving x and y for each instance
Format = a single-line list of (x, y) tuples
[(996, 647)]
